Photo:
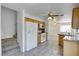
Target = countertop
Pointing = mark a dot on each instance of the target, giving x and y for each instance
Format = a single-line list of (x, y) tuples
[(71, 40), (66, 34), (70, 37)]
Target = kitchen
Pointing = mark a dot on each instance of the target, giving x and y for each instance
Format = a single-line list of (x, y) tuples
[(34, 31), (70, 39), (68, 34)]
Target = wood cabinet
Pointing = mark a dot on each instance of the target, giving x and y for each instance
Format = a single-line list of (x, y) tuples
[(41, 30), (61, 40), (75, 18), (71, 48), (39, 39)]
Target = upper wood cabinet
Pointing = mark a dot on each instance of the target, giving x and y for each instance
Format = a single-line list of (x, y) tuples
[(75, 18)]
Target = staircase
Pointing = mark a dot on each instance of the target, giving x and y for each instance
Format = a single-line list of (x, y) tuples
[(9, 46)]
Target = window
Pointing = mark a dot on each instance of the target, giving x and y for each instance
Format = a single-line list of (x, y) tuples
[(78, 30), (65, 28)]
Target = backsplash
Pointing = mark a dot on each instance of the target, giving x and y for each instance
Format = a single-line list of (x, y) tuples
[(74, 31)]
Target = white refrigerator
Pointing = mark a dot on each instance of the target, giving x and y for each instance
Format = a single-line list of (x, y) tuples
[(31, 35)]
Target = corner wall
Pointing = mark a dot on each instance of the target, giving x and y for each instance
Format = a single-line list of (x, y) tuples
[(20, 34), (8, 22)]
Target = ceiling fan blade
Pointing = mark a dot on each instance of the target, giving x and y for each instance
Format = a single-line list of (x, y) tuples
[(58, 15), (61, 15), (54, 15)]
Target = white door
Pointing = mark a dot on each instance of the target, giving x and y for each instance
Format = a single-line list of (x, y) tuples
[(31, 35)]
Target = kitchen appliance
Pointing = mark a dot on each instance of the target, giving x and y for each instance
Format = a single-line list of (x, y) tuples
[(43, 37), (31, 35)]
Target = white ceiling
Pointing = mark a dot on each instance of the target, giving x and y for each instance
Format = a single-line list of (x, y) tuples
[(39, 9)]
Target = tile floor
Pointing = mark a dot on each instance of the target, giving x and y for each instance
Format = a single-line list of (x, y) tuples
[(48, 48)]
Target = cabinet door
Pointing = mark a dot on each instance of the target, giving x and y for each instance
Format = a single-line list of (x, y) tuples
[(61, 40), (75, 18), (39, 39)]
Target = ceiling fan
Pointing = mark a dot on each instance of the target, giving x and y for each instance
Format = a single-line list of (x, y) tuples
[(51, 16)]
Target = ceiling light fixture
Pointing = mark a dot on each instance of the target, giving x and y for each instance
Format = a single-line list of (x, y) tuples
[(49, 18)]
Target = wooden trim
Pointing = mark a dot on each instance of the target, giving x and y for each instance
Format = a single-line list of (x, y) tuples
[(32, 20)]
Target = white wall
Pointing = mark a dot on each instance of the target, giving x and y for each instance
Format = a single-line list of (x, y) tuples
[(26, 14), (0, 30), (20, 31), (8, 22), (53, 30)]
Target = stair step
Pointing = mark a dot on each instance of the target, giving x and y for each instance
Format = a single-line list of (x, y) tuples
[(8, 43), (9, 47)]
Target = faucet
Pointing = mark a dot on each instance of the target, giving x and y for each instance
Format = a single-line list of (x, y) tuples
[(76, 30)]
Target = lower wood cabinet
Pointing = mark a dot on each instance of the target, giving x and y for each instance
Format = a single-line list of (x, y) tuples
[(71, 48), (61, 40), (39, 39)]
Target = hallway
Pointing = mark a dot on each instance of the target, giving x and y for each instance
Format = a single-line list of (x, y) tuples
[(49, 48)]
